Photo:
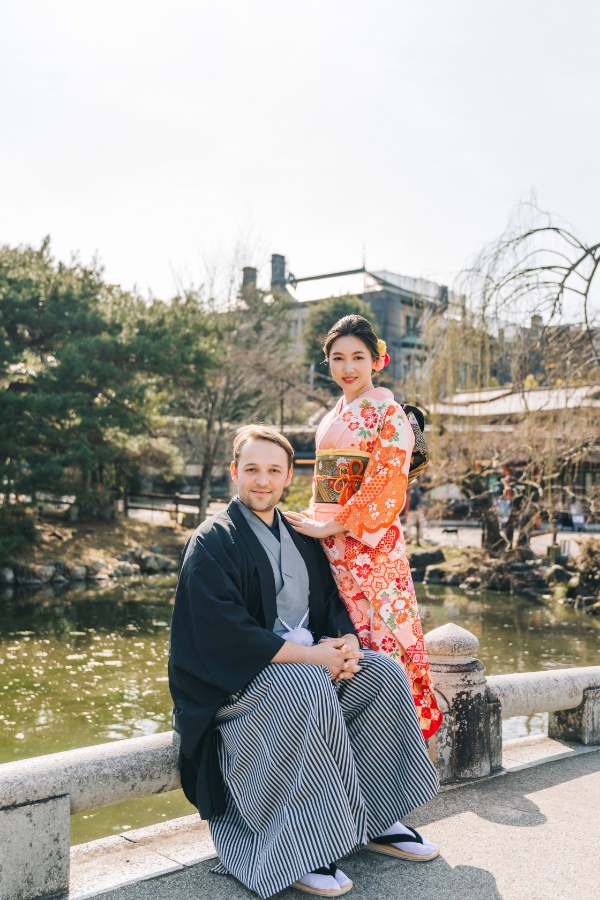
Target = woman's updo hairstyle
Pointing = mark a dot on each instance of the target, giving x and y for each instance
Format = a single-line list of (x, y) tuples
[(357, 326)]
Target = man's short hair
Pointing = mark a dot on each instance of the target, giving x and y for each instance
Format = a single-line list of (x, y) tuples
[(260, 432)]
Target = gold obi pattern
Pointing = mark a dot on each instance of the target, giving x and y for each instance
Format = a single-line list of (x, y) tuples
[(339, 474)]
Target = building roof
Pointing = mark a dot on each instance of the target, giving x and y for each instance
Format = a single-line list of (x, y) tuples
[(506, 402), (360, 281), (482, 396), (337, 284), (420, 287)]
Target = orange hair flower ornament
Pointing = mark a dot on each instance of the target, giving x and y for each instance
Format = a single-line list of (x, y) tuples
[(384, 358)]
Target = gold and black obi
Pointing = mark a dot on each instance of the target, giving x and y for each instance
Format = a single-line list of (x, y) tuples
[(339, 474)]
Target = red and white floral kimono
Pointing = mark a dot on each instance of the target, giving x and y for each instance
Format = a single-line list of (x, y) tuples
[(361, 475)]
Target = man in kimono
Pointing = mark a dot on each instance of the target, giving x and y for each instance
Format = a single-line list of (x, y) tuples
[(296, 752)]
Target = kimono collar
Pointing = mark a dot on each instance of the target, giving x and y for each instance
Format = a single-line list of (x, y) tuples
[(376, 393), (306, 548), (259, 555), (263, 566)]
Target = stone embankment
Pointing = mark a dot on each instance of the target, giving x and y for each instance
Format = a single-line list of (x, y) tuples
[(126, 565), (572, 582)]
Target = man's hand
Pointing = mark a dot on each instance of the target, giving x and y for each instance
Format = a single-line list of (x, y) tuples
[(340, 655)]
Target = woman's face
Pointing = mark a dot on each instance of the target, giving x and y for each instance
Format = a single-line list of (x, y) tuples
[(351, 366)]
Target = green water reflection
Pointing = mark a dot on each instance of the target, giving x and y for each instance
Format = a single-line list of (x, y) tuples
[(85, 666)]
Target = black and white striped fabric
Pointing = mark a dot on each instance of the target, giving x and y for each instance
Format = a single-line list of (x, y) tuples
[(314, 770)]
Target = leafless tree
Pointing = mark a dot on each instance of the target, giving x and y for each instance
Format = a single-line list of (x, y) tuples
[(524, 314)]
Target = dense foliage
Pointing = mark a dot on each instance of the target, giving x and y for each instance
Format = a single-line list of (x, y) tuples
[(97, 385), (71, 391)]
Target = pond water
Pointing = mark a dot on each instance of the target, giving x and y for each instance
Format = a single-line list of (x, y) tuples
[(86, 665)]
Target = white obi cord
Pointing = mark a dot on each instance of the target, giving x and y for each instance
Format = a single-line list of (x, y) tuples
[(298, 635)]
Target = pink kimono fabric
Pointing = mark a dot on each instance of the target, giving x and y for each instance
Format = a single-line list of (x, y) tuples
[(369, 561)]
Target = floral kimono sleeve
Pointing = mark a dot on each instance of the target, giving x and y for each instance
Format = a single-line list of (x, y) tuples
[(369, 513)]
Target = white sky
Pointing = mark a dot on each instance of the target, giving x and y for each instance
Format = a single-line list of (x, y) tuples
[(159, 134)]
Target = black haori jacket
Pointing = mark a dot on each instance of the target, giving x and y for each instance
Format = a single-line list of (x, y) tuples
[(222, 637)]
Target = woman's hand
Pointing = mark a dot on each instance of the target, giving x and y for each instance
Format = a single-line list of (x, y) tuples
[(313, 529), (340, 655)]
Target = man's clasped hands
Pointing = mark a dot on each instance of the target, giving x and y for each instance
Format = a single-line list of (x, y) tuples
[(341, 655)]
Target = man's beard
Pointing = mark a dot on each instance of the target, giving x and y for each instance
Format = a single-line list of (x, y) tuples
[(254, 506)]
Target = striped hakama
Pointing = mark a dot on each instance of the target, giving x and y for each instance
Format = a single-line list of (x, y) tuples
[(314, 770)]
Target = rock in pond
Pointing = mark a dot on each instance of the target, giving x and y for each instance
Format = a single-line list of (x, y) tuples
[(435, 575), (421, 559), (7, 576), (557, 575), (472, 583)]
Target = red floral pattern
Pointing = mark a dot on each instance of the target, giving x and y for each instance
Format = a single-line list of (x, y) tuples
[(387, 431), (369, 560), (369, 414)]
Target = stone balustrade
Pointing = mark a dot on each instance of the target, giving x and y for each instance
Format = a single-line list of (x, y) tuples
[(526, 693), (38, 796), (93, 777), (469, 743)]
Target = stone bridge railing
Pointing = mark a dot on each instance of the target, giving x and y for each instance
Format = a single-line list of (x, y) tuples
[(469, 743), (38, 796)]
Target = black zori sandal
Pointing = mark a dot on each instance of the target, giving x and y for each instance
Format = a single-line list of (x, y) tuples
[(385, 845), (330, 870)]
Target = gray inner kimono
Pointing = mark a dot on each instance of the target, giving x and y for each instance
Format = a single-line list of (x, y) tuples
[(289, 571)]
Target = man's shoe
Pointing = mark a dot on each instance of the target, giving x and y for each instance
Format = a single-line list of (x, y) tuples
[(387, 844), (328, 881)]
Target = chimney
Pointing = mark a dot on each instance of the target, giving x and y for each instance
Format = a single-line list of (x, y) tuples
[(248, 277), (537, 326), (277, 271)]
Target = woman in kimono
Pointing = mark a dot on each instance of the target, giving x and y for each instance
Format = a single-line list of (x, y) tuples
[(363, 452)]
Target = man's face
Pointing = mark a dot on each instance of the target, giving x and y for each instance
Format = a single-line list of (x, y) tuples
[(261, 475)]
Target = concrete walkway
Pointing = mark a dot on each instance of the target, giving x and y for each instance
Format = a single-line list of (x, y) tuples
[(530, 834), (471, 537)]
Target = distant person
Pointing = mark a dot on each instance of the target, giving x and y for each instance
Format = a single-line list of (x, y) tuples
[(577, 516), (363, 453), (415, 518), (503, 510), (416, 497), (296, 752)]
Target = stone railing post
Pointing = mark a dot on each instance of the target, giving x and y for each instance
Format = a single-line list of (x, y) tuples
[(581, 724), (34, 859), (469, 742), (38, 797)]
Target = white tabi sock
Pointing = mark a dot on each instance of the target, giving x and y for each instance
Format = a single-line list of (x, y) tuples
[(341, 878), (423, 849), (325, 882)]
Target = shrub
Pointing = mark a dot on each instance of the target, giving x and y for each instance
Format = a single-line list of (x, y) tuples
[(588, 564), (297, 496), (17, 530)]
